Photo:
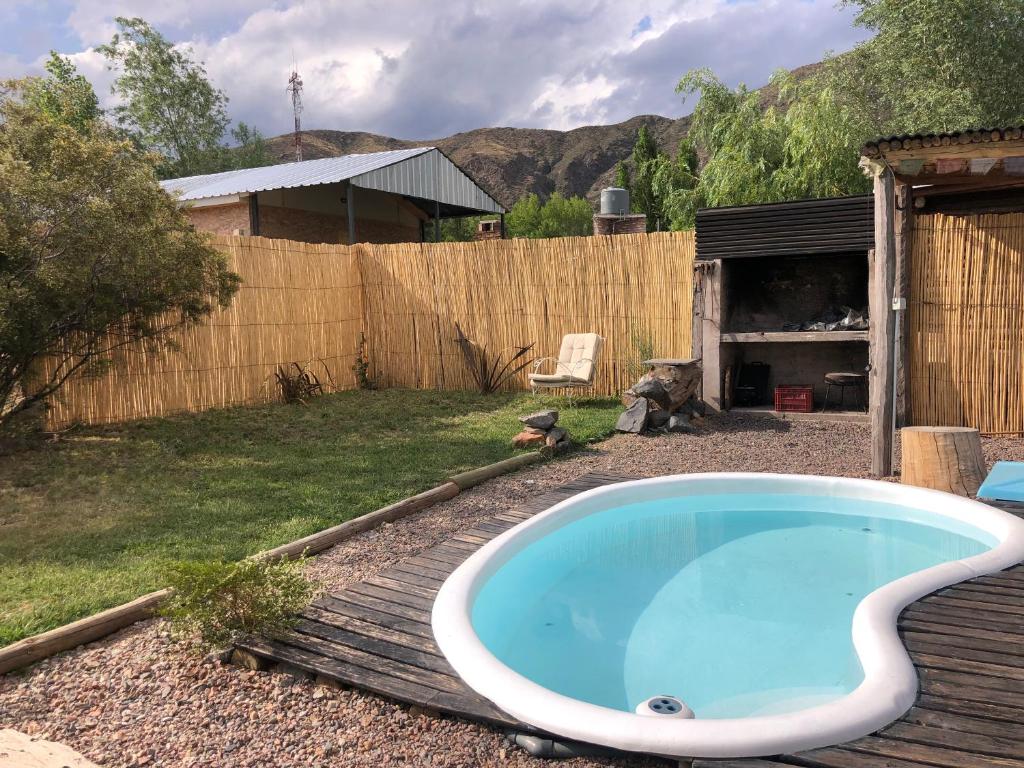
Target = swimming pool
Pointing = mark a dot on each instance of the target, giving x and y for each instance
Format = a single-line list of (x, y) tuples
[(765, 606)]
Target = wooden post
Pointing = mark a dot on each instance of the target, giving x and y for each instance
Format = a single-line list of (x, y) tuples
[(944, 458), (437, 221), (351, 213), (904, 233), (881, 281), (697, 321), (711, 333), (254, 214)]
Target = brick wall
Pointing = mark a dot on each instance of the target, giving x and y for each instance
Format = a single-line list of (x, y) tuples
[(295, 224), (221, 219), (304, 226), (630, 224)]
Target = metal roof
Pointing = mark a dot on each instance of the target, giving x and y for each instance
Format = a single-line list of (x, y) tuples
[(422, 172), (798, 227)]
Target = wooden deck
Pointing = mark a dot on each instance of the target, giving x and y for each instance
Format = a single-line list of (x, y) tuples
[(967, 642)]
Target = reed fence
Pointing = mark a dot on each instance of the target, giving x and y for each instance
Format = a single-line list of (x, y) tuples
[(309, 303), (297, 303), (634, 290), (966, 322)]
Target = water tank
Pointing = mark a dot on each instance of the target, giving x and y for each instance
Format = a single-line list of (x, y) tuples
[(615, 201)]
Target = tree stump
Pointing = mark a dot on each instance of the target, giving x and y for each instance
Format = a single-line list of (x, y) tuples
[(944, 458)]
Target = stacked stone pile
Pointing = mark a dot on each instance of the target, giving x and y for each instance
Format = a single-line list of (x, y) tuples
[(540, 430)]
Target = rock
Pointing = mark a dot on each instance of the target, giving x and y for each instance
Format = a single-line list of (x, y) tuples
[(247, 660), (525, 439), (679, 423), (20, 749), (541, 419), (534, 431), (653, 389), (658, 418), (554, 436), (670, 386), (634, 418)]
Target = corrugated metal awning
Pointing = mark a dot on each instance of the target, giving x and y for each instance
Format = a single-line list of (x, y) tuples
[(421, 172), (830, 225)]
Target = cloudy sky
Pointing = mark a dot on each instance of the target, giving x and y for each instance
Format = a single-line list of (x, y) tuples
[(422, 69)]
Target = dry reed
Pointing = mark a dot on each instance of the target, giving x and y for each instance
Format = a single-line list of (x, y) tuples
[(966, 322)]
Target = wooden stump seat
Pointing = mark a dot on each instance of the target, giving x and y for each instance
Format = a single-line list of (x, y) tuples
[(944, 458)]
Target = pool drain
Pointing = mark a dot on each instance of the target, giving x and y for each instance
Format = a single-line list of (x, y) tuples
[(664, 706)]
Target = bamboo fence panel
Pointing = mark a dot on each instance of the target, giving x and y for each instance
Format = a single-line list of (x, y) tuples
[(966, 322), (302, 303), (505, 293), (297, 303)]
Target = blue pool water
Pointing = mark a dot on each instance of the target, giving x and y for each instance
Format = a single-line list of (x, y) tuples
[(740, 605)]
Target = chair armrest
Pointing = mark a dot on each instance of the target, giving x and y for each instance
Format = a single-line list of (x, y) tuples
[(540, 361)]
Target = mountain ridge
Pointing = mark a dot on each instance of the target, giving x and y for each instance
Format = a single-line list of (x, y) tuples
[(510, 163)]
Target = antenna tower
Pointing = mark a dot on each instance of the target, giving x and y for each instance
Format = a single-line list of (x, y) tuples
[(295, 89)]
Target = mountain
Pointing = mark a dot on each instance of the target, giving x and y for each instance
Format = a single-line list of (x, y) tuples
[(512, 162)]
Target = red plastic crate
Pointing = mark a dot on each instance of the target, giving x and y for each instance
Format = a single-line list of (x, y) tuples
[(795, 399)]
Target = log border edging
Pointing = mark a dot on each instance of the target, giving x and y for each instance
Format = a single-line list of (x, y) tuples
[(90, 628)]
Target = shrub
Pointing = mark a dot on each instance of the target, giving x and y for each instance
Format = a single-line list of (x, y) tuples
[(94, 255), (298, 384), (489, 375), (221, 602), (361, 368)]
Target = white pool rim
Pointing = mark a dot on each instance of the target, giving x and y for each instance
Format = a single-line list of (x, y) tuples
[(889, 687)]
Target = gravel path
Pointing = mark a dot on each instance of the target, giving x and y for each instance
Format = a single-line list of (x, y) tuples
[(137, 699)]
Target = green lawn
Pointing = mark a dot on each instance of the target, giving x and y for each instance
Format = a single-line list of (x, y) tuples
[(92, 520)]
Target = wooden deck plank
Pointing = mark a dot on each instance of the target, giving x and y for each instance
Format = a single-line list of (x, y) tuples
[(967, 642)]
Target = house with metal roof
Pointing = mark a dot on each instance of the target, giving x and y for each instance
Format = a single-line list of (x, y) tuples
[(379, 197)]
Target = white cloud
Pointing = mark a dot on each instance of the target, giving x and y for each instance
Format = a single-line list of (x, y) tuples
[(427, 69)]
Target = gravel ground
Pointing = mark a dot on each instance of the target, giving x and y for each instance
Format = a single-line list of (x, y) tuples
[(137, 698)]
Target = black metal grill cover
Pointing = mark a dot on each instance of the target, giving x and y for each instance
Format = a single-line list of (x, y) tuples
[(831, 225)]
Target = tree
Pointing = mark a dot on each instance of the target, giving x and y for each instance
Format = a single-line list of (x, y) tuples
[(250, 150), (559, 216), (642, 196), (523, 219), (64, 96), (169, 104), (940, 65), (622, 179), (94, 255), (673, 182)]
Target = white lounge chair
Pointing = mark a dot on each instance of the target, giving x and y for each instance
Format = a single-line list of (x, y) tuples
[(575, 366)]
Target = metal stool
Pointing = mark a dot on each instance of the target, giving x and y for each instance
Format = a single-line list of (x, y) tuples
[(843, 380)]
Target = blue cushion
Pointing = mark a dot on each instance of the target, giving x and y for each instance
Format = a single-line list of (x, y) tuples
[(1005, 482)]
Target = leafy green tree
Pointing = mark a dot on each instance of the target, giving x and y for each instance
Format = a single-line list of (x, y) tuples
[(63, 95), (940, 65), (94, 255), (523, 219), (643, 197), (674, 182), (559, 216), (622, 179), (744, 143), (250, 150), (168, 103), (935, 65)]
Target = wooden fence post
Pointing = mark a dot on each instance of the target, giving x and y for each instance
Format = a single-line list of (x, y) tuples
[(904, 232), (881, 282)]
